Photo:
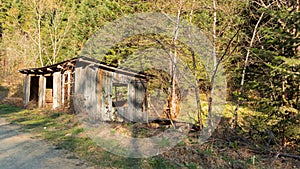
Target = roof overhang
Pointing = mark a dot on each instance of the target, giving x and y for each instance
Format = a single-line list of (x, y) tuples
[(72, 63)]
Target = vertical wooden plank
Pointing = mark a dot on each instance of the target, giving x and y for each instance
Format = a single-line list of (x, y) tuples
[(75, 87), (109, 91), (79, 90), (99, 92), (140, 97), (56, 90), (42, 91), (63, 76), (79, 85), (26, 89), (145, 101), (106, 101), (69, 87), (131, 99), (104, 98), (91, 97)]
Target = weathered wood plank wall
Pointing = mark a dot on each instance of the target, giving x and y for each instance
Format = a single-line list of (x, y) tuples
[(93, 91), (90, 73)]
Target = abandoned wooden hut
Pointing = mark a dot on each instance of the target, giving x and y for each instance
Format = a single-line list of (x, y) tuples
[(92, 88)]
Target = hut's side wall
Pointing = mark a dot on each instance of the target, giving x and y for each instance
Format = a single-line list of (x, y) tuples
[(93, 91)]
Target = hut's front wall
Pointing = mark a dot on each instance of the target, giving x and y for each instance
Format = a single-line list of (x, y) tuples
[(108, 96)]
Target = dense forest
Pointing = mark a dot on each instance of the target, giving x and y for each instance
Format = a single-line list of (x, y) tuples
[(257, 42)]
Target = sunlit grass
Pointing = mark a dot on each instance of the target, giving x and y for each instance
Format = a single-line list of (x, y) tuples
[(64, 132)]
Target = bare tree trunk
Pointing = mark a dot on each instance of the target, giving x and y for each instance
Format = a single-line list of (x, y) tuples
[(199, 108), (54, 44), (57, 35), (215, 32), (215, 65), (235, 114), (39, 18), (174, 97), (173, 103)]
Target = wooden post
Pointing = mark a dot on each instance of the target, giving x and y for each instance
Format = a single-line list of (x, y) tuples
[(56, 89), (131, 114), (63, 89), (69, 87), (42, 91), (26, 89), (109, 92)]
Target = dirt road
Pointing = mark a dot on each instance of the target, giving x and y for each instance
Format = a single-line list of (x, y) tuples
[(19, 150)]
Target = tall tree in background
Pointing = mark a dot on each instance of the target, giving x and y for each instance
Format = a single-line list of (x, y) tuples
[(274, 68), (61, 17)]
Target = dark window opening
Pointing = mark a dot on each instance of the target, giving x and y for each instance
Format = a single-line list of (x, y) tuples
[(49, 82), (119, 95)]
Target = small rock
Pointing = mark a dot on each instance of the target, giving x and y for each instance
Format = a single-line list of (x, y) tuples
[(68, 135), (79, 163)]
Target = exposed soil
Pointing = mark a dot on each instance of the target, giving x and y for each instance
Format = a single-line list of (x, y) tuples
[(24, 150)]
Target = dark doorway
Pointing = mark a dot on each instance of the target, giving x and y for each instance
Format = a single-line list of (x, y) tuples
[(49, 90), (34, 88)]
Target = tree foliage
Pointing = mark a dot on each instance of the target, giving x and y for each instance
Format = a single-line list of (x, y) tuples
[(273, 72)]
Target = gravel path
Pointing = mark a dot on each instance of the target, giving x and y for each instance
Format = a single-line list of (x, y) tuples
[(19, 150)]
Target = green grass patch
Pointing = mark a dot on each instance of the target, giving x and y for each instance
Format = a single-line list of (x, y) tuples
[(64, 132), (7, 109)]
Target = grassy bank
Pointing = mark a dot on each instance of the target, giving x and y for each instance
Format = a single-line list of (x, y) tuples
[(63, 131), (225, 149)]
